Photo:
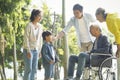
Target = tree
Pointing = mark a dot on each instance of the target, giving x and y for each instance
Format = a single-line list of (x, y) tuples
[(2, 47), (12, 23)]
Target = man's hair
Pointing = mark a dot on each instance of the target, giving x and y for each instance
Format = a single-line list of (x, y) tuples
[(78, 7), (97, 26), (46, 33)]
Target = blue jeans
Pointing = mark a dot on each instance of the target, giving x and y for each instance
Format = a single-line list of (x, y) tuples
[(81, 60), (30, 65)]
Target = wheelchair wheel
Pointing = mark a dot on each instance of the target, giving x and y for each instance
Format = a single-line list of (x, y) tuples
[(107, 69)]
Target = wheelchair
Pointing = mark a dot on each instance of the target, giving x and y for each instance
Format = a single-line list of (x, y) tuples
[(104, 68)]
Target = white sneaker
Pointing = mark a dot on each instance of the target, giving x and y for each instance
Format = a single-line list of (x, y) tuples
[(76, 78), (69, 78)]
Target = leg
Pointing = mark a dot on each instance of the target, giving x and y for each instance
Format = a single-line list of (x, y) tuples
[(83, 47), (49, 71), (118, 68), (52, 70), (28, 65), (72, 61), (86, 71), (47, 79), (34, 64), (81, 64)]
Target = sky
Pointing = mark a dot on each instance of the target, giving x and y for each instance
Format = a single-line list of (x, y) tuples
[(90, 6)]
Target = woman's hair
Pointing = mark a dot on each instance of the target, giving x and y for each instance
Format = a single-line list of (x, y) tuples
[(101, 11), (45, 34), (78, 7), (35, 12)]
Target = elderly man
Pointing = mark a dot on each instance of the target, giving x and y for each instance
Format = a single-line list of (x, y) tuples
[(101, 45)]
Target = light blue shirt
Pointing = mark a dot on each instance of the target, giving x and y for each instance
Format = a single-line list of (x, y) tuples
[(74, 22)]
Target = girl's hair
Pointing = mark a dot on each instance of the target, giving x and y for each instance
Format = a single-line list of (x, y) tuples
[(78, 7), (101, 11), (35, 12)]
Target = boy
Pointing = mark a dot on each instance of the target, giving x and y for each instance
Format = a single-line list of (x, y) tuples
[(49, 57)]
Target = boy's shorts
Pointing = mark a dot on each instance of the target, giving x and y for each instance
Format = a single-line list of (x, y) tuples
[(49, 71)]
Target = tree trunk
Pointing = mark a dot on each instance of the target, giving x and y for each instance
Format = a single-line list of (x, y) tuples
[(57, 71), (2, 47), (54, 30), (66, 48), (66, 55), (15, 59), (2, 74), (3, 68)]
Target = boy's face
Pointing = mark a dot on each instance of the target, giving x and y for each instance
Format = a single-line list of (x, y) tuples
[(49, 38)]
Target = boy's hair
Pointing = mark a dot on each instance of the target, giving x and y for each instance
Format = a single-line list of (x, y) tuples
[(46, 33)]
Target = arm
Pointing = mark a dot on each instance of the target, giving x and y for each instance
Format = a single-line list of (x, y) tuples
[(40, 46), (45, 53), (26, 38), (40, 42), (65, 30), (116, 32), (117, 36)]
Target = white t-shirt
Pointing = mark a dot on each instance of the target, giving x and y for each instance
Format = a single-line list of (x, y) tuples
[(84, 34), (53, 53)]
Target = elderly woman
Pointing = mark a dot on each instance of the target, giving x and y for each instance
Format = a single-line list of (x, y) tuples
[(113, 24)]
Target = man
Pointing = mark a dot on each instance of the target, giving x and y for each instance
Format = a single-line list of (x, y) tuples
[(101, 45), (113, 24), (81, 23)]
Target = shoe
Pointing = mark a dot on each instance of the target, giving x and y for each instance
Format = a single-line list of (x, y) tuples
[(76, 78), (69, 78)]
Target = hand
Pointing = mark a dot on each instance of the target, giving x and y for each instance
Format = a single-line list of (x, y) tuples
[(40, 55), (118, 53), (54, 38), (52, 62), (59, 60), (28, 55)]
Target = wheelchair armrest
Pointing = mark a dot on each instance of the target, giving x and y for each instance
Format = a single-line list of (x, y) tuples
[(101, 54)]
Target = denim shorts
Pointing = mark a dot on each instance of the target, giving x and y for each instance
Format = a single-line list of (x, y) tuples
[(49, 71)]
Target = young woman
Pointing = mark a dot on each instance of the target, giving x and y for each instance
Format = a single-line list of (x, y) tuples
[(32, 45)]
